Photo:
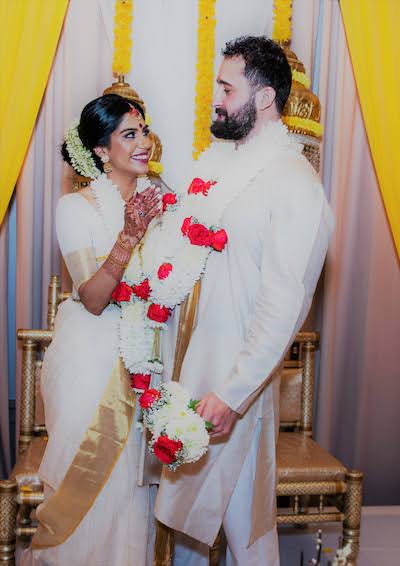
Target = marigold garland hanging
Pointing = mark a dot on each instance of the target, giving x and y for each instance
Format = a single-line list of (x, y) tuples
[(204, 76), (122, 36), (301, 78), (282, 21)]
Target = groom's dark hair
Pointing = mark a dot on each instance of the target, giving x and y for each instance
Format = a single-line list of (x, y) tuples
[(265, 65)]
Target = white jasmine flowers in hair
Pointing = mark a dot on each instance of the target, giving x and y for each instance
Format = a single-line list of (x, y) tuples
[(81, 157)]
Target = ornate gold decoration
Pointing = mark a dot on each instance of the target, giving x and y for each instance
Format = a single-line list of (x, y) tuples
[(124, 89), (307, 518), (79, 182), (310, 488), (52, 302), (307, 390), (302, 104), (107, 167), (302, 112), (8, 517), (27, 413)]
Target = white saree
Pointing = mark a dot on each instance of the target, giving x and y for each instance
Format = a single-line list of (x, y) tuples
[(118, 526)]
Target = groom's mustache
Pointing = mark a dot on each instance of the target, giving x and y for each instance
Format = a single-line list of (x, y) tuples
[(221, 112)]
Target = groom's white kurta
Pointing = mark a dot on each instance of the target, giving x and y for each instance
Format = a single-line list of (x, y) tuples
[(254, 298)]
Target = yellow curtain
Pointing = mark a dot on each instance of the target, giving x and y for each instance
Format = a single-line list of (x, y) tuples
[(28, 39), (373, 39)]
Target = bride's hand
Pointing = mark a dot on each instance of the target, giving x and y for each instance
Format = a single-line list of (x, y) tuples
[(139, 212)]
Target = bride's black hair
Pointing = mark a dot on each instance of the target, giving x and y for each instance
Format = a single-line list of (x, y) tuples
[(99, 119)]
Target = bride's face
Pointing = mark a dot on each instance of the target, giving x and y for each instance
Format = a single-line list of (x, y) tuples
[(130, 145)]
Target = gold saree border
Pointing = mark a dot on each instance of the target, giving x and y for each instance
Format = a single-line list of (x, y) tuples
[(187, 317), (81, 265), (92, 465)]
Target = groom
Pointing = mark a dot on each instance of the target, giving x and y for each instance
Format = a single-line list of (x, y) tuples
[(254, 297)]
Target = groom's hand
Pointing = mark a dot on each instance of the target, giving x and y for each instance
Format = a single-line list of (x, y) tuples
[(215, 411)]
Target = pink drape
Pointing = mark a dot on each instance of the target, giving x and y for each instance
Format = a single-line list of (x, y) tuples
[(359, 385)]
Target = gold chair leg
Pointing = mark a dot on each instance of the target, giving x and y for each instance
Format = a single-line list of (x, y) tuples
[(215, 550), (352, 514), (164, 545), (8, 521)]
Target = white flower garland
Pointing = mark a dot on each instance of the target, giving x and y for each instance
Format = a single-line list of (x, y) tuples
[(81, 157), (164, 242)]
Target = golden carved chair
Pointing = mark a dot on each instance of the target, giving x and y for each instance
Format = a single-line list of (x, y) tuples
[(309, 478), (319, 487), (23, 491)]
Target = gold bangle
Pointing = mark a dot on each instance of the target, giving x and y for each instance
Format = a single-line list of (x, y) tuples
[(124, 245), (117, 262)]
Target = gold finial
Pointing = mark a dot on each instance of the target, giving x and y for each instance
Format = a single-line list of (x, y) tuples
[(124, 89)]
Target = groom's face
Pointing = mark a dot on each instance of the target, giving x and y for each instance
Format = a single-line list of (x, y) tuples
[(234, 104)]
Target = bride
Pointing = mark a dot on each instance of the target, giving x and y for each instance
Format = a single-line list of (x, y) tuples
[(95, 513)]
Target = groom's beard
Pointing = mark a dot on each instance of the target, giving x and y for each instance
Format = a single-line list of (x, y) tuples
[(236, 126)]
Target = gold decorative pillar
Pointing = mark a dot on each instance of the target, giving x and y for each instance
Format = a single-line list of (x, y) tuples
[(8, 520), (53, 300), (352, 514), (302, 112), (27, 415), (307, 391), (163, 546)]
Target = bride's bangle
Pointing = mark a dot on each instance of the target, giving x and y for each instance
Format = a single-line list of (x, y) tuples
[(115, 261), (125, 245)]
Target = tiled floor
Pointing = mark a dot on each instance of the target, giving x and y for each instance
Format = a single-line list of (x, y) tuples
[(380, 540)]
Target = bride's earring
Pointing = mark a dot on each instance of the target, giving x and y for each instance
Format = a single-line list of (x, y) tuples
[(107, 168)]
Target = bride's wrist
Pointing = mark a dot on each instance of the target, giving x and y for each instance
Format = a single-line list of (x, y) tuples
[(126, 241)]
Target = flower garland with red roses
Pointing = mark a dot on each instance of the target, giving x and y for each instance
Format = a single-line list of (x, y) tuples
[(172, 256)]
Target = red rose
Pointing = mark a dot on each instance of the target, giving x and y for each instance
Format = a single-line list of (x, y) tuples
[(122, 292), (158, 313), (199, 235), (143, 290), (185, 225), (140, 380), (167, 199), (166, 449), (164, 270), (219, 240), (148, 397), (200, 186)]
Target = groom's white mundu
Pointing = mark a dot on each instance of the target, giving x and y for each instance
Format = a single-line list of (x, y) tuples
[(254, 298)]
